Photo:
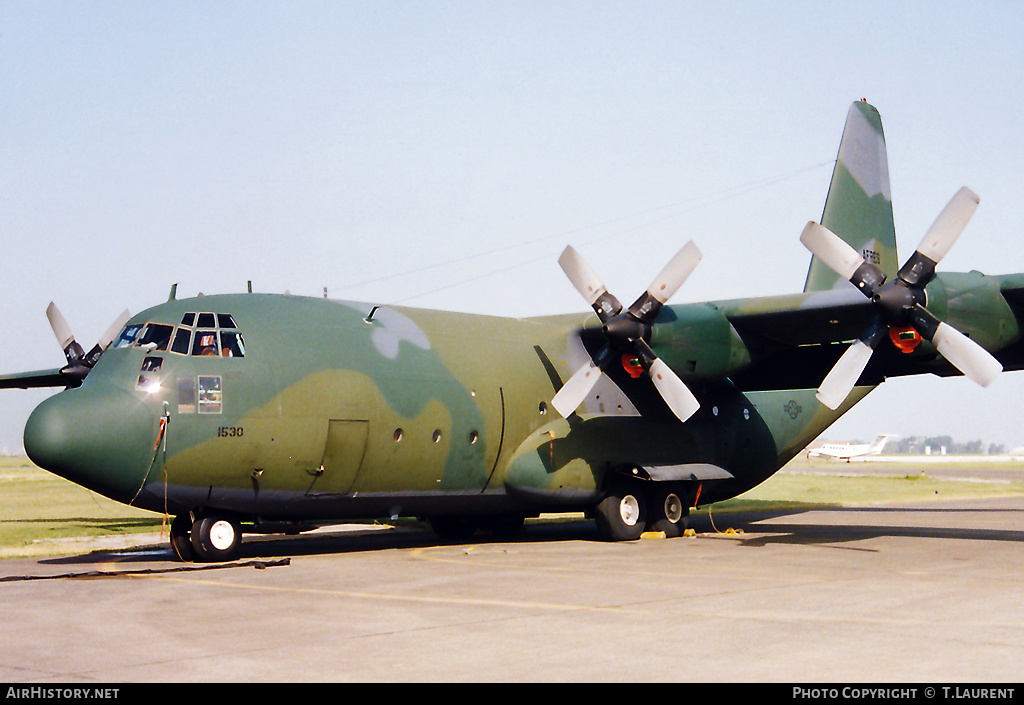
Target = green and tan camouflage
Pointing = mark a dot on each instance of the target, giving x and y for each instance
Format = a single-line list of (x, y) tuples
[(256, 412), (859, 203)]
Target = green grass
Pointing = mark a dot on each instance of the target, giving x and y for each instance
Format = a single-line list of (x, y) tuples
[(39, 511), (795, 489), (37, 507)]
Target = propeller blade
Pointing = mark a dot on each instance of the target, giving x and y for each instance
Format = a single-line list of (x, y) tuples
[(831, 249), (676, 394), (645, 309), (841, 380), (948, 225), (966, 355), (114, 329), (104, 342), (60, 327), (625, 332), (72, 350), (675, 273), (588, 284), (576, 389)]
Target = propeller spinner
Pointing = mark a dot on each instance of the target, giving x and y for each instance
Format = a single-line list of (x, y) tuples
[(627, 332), (901, 302)]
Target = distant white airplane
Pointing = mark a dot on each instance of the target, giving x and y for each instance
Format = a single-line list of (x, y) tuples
[(845, 451)]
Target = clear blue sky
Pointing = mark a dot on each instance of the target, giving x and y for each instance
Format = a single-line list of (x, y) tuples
[(442, 154)]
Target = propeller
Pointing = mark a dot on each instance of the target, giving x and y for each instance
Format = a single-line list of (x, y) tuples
[(79, 361), (628, 332), (901, 302)]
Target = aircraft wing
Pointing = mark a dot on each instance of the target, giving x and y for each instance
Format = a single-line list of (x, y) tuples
[(803, 319), (794, 341), (40, 378)]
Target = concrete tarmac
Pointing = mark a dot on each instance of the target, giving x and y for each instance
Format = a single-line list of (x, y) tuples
[(930, 593)]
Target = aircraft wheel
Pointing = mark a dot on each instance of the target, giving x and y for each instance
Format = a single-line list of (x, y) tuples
[(215, 538), (622, 515), (669, 512), (181, 544)]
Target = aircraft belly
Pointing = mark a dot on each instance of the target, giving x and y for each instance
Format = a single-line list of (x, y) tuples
[(275, 505)]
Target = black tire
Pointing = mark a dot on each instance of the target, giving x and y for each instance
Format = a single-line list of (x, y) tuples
[(181, 543), (215, 538), (668, 512), (622, 515)]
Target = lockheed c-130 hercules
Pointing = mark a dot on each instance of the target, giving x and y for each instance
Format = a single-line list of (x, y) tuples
[(257, 413)]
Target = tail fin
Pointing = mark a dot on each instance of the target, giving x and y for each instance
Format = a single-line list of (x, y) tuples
[(859, 204), (880, 442)]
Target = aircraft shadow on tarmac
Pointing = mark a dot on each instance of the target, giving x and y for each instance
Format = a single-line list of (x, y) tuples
[(755, 529), (257, 547), (763, 533)]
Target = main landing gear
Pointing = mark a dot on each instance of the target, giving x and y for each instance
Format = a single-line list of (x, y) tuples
[(633, 507), (209, 537)]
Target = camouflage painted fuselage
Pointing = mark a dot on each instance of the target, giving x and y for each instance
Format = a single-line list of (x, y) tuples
[(329, 415), (332, 412), (278, 408)]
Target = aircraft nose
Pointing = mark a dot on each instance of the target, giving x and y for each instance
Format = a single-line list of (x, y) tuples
[(96, 439)]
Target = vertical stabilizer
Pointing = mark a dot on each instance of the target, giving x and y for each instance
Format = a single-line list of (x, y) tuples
[(859, 204)]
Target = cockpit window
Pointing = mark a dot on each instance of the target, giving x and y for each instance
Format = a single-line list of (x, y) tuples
[(205, 344), (231, 344), (182, 341), (128, 335), (155, 336), (199, 334), (208, 335)]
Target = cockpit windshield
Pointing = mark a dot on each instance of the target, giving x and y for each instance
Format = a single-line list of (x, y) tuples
[(128, 335), (199, 334), (155, 336)]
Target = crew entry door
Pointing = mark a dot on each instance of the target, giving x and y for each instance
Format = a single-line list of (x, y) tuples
[(343, 456)]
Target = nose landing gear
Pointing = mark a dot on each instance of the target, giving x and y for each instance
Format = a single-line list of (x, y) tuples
[(208, 537)]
